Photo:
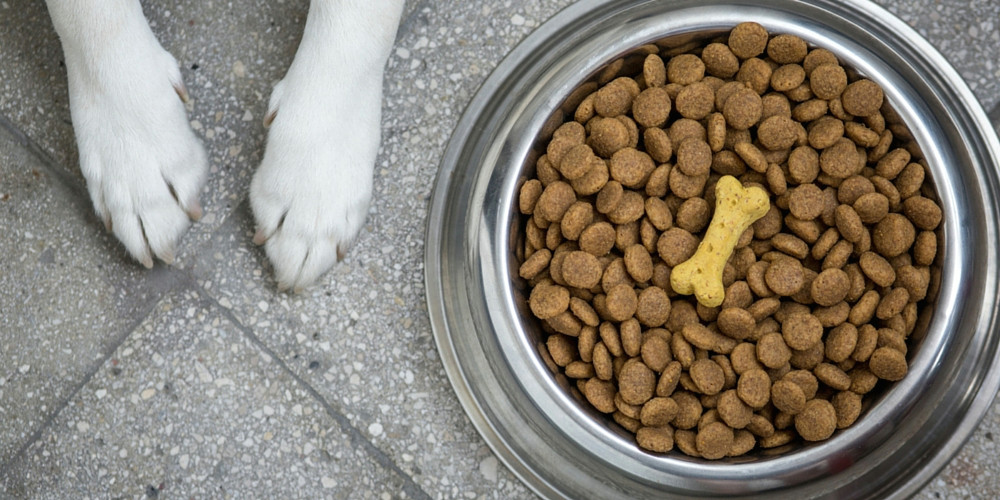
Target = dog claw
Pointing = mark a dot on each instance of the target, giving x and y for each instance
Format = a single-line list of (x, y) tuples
[(269, 117), (259, 238), (182, 92), (194, 211)]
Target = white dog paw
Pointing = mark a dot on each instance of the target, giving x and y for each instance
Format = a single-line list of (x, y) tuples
[(311, 193), (143, 164)]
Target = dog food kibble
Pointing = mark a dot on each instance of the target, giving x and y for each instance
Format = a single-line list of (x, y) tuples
[(728, 246)]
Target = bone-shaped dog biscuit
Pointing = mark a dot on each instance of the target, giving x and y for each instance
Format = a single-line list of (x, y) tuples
[(735, 209)]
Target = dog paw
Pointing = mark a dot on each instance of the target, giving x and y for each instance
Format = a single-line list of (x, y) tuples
[(143, 164), (311, 193)]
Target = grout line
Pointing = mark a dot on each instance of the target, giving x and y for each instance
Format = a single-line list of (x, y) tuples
[(161, 275), (410, 487), (61, 173)]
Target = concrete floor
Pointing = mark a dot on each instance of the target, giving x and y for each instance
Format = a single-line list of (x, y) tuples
[(200, 380)]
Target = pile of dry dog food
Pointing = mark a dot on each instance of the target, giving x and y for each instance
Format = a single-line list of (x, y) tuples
[(822, 286)]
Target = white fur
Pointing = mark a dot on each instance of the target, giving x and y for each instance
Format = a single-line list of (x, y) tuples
[(144, 167), (311, 193)]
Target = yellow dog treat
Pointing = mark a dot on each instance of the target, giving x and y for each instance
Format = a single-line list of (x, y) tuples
[(735, 209)]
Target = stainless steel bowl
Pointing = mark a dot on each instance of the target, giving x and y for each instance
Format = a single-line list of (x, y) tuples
[(488, 346)]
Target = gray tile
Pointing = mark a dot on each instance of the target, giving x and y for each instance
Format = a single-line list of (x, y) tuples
[(975, 471), (967, 32), (67, 293), (191, 407), (354, 391)]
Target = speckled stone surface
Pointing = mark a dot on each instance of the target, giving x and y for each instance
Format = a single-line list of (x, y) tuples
[(201, 380)]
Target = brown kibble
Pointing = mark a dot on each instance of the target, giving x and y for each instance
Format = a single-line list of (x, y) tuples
[(925, 248), (806, 202), (832, 376), (714, 441), (600, 394), (630, 167), (888, 363), (778, 132), (548, 301), (772, 350), (849, 223), (585, 312), (877, 269), (816, 421), (923, 212), (743, 109), (787, 77), (686, 186), (561, 349), (657, 144), (655, 439), (890, 165), (910, 180), (847, 406), (801, 331), (621, 302), (828, 81), (719, 60), (805, 380), (694, 157), (636, 382), (655, 352), (695, 101), (784, 276), (703, 338), (840, 160), (830, 287), (531, 190), (735, 322), (676, 245), (862, 98), (609, 197), (685, 69), (613, 100), (803, 165), (788, 397), (593, 180), (669, 378), (754, 388), (787, 49), (825, 132), (654, 71), (602, 361), (607, 136), (578, 216), (581, 270), (892, 303), (597, 239), (576, 162), (555, 200), (653, 307), (893, 235), (629, 209), (733, 411), (871, 207), (707, 376), (658, 411), (810, 110), (841, 341), (748, 40), (689, 410), (753, 156), (535, 264), (817, 57), (693, 215), (652, 107)]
